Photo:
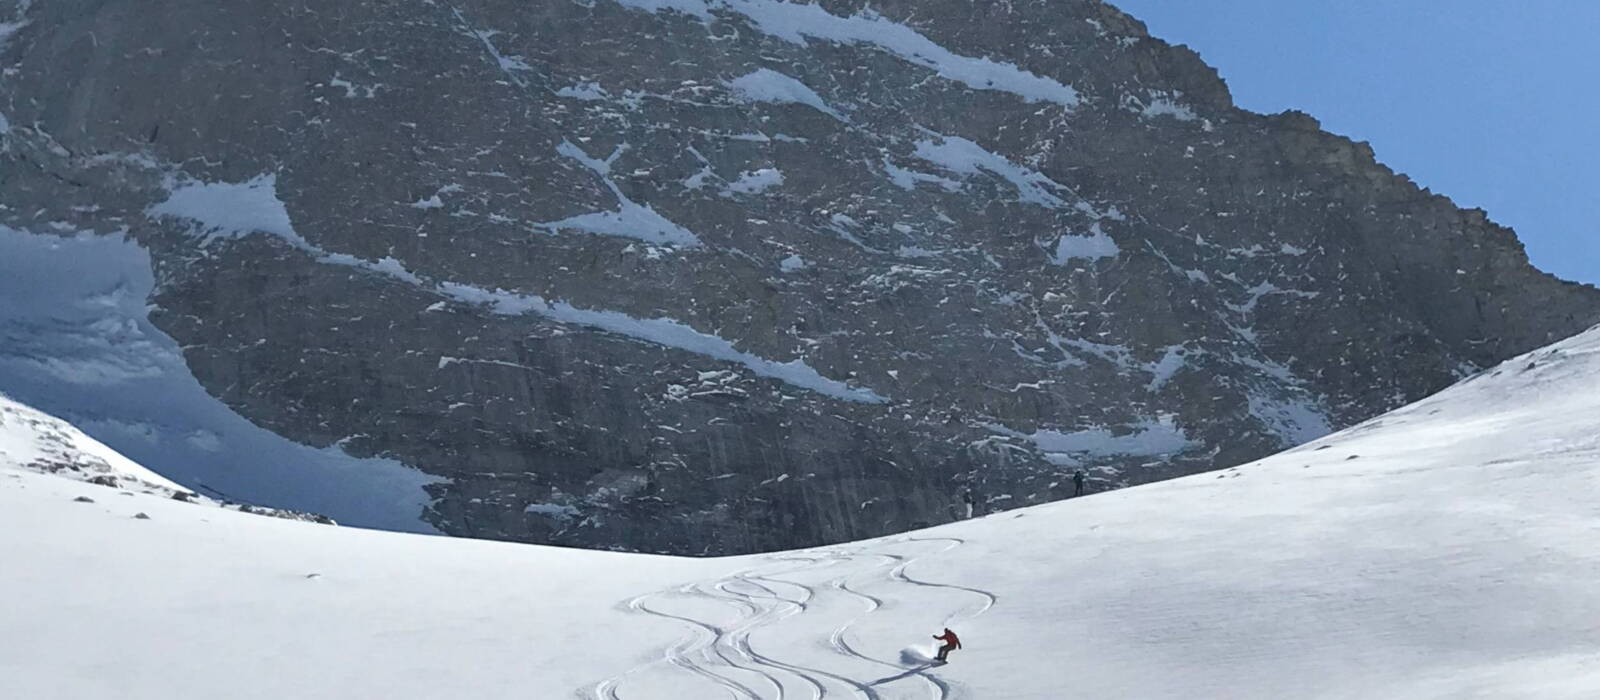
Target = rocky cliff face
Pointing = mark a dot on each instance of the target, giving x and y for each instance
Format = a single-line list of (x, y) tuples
[(713, 276)]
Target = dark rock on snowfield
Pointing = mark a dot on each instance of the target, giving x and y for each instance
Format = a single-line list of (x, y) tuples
[(716, 276)]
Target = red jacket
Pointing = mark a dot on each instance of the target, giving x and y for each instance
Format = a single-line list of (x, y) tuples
[(949, 638)]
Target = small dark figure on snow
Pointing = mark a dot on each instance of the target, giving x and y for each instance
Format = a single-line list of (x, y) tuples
[(951, 643), (966, 497), (1077, 482)]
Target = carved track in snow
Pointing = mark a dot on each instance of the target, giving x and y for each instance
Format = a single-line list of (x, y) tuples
[(788, 628)]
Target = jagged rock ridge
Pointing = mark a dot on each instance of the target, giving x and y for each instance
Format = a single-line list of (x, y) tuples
[(713, 276)]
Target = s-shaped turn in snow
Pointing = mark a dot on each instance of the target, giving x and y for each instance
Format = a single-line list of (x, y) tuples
[(831, 622)]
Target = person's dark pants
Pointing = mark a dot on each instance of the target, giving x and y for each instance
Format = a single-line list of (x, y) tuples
[(1077, 490), (945, 651)]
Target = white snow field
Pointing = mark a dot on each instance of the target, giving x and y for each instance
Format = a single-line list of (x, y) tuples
[(1447, 550)]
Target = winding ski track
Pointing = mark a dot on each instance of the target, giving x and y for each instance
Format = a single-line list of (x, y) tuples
[(763, 598), (989, 599)]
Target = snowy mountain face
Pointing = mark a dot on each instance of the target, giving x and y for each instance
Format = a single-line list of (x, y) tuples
[(712, 276), (1442, 551), (31, 440)]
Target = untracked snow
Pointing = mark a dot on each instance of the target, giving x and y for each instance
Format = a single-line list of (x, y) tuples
[(1445, 550)]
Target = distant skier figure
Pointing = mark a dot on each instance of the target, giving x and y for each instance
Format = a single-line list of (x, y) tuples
[(966, 497), (1077, 483), (951, 643)]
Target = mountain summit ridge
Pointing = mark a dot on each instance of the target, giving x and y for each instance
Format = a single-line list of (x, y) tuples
[(720, 276)]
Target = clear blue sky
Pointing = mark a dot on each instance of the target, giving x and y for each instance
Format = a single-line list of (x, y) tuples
[(1494, 103)]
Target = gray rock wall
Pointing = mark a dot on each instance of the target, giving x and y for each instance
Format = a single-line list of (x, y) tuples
[(1009, 240)]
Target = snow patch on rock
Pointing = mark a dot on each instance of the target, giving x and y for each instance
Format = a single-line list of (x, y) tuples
[(755, 182), (660, 331), (907, 179), (230, 209), (587, 91), (966, 158), (1094, 246), (1148, 438), (1167, 105), (797, 22), (1161, 371), (766, 85), (1295, 422), (554, 511), (629, 220)]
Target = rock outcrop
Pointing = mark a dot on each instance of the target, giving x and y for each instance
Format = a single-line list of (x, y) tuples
[(715, 276)]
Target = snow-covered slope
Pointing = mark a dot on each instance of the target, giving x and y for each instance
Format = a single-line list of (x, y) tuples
[(32, 440), (1446, 550), (707, 276), (35, 440)]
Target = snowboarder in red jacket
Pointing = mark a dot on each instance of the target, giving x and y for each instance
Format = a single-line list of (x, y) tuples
[(951, 643)]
